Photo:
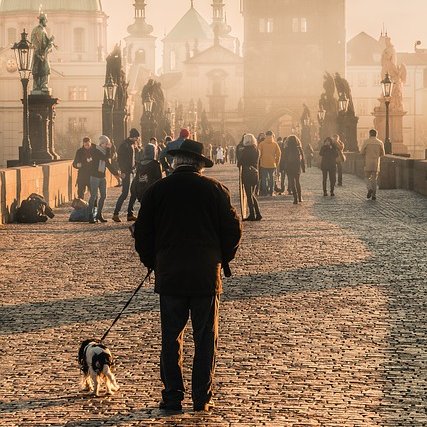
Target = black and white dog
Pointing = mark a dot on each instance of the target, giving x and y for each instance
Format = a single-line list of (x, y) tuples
[(96, 363)]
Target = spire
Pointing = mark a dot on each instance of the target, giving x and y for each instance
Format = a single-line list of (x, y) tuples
[(219, 18), (140, 28)]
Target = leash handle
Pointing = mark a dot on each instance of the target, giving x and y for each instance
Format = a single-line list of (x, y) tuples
[(130, 299)]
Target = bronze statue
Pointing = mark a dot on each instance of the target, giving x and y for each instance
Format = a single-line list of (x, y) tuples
[(115, 70), (43, 45)]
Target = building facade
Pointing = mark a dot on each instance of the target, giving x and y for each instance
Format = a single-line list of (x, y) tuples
[(77, 69), (289, 44)]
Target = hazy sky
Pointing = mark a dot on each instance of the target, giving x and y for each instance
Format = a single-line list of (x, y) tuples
[(404, 20)]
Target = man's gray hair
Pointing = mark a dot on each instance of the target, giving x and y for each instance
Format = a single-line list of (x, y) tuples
[(184, 160)]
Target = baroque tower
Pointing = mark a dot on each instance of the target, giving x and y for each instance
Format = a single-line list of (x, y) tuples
[(140, 44), (289, 44)]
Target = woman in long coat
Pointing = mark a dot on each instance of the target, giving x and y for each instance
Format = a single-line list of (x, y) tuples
[(294, 164), (248, 160)]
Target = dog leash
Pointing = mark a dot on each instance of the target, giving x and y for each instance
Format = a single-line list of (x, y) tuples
[(124, 308)]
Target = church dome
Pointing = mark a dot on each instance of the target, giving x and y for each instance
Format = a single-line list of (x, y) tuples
[(50, 5), (192, 26)]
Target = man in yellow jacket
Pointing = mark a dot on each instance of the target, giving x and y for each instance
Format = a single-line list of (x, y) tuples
[(269, 158)]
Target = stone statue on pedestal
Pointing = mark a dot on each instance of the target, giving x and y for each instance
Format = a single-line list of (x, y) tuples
[(43, 45), (396, 72)]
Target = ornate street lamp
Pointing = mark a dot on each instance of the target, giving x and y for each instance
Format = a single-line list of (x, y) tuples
[(343, 103), (110, 89), (321, 114), (387, 88), (24, 52), (148, 105)]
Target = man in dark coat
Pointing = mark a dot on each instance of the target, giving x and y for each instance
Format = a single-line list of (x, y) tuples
[(82, 162), (186, 231), (126, 159)]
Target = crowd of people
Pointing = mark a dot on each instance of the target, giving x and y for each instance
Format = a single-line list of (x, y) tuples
[(266, 163)]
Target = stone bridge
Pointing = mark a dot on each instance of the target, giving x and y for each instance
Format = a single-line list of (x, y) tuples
[(323, 322)]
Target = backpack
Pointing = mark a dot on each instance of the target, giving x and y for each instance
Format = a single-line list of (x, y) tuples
[(33, 209)]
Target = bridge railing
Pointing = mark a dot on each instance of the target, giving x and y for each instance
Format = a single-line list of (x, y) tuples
[(396, 171), (55, 181)]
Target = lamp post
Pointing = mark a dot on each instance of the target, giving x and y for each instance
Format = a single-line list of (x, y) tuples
[(387, 88), (148, 125), (110, 89), (343, 102), (24, 52)]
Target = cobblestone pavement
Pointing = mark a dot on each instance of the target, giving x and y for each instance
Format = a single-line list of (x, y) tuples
[(323, 323)]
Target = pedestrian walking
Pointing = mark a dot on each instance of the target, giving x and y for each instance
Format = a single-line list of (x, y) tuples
[(248, 161), (186, 230), (372, 151), (339, 145), (126, 160), (82, 162), (269, 160), (309, 154), (148, 171), (294, 164), (329, 153), (98, 183), (219, 155), (281, 170), (165, 158)]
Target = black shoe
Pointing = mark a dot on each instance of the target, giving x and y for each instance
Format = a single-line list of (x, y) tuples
[(332, 194), (206, 407), (100, 218), (258, 218), (249, 218), (374, 197), (170, 406), (339, 184), (368, 196), (92, 220), (325, 193), (295, 202)]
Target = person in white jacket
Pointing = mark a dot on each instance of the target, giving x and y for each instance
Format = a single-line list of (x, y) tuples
[(372, 151)]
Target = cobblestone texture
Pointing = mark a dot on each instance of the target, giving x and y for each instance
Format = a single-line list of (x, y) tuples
[(323, 323)]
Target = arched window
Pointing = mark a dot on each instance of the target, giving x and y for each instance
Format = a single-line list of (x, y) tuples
[(140, 56), (11, 36), (79, 39)]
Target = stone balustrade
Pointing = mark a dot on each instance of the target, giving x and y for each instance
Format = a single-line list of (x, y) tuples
[(396, 171), (55, 181)]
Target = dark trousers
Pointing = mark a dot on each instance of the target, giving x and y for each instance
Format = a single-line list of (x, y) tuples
[(123, 196), (250, 190), (294, 185), (83, 183), (174, 314), (332, 178), (339, 172)]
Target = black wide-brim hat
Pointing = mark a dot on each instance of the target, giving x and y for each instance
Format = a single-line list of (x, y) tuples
[(194, 149)]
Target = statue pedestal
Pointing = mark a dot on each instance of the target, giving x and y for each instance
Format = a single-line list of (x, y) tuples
[(396, 127), (347, 128), (42, 112)]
